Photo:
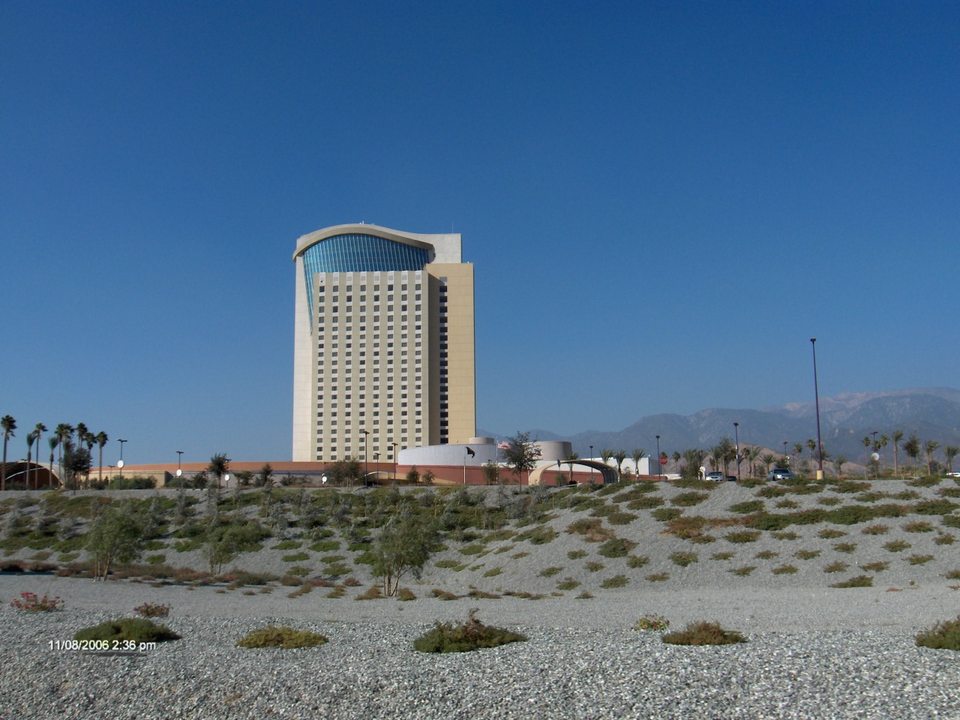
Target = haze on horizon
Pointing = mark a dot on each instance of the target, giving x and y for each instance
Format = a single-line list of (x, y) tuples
[(663, 203)]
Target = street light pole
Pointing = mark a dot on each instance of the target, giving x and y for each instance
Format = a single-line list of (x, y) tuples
[(120, 462), (659, 464), (736, 434), (816, 398), (394, 446), (591, 464), (179, 458)]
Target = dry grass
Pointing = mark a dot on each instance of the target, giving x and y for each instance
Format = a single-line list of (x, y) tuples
[(704, 633)]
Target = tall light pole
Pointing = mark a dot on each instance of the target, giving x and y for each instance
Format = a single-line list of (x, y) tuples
[(816, 399), (179, 458), (591, 466), (736, 434), (366, 467), (659, 464), (785, 453), (394, 446), (120, 461)]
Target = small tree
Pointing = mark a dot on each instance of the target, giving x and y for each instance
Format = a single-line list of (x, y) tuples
[(620, 456), (912, 447), (950, 452), (413, 475), (521, 454), (115, 536), (838, 462), (491, 473), (930, 447), (404, 546), (76, 463), (265, 476)]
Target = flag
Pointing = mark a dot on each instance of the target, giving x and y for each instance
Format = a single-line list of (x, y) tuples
[(470, 452)]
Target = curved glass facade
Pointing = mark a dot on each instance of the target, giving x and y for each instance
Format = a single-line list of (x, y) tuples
[(357, 252)]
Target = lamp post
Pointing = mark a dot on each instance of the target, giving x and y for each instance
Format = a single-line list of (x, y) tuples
[(591, 466), (785, 452), (736, 434), (366, 467), (659, 465), (394, 446), (179, 458), (120, 461), (816, 399)]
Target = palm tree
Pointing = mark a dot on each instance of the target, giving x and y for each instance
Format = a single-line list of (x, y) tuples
[(767, 459), (102, 440), (638, 455), (620, 456), (31, 436), (897, 437), (53, 441), (912, 447), (219, 466), (605, 455), (39, 430), (8, 424), (753, 454), (931, 447), (950, 452)]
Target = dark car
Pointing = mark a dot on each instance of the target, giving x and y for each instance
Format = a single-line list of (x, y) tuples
[(780, 474)]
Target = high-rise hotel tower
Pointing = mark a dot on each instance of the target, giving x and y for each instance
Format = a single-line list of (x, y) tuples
[(384, 343)]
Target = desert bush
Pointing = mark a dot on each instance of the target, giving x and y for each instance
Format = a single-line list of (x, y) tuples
[(784, 535), (405, 595), (746, 508), (567, 584), (766, 555), (722, 556), (637, 561), (896, 545), (616, 581), (806, 554), (616, 547), (683, 558), (942, 636), (652, 622), (855, 582), (647, 502), (591, 529), (493, 572), (666, 514), (658, 577), (788, 504), (286, 638), (538, 536), (918, 526), (594, 566), (875, 530), (584, 596), (688, 499), (742, 536), (743, 571), (919, 559), (835, 567), (784, 570), (30, 602), (128, 629), (471, 635), (952, 575), (371, 593), (550, 571), (944, 539), (951, 521), (703, 633), (845, 547), (149, 610), (878, 566), (296, 557), (441, 594), (577, 554), (830, 533)]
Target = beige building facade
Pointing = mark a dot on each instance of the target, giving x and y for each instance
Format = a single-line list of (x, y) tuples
[(383, 343)]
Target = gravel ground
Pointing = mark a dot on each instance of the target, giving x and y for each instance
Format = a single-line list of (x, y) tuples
[(811, 654)]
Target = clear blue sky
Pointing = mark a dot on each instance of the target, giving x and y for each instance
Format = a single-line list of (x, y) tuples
[(663, 201)]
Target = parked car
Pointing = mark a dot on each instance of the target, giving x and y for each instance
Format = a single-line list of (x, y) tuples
[(780, 474), (953, 474), (715, 476)]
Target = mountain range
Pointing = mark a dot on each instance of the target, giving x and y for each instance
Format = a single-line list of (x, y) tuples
[(930, 413)]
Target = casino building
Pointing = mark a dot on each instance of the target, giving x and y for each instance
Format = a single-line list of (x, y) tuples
[(383, 343)]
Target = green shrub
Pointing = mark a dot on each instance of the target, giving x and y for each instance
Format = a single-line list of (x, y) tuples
[(942, 636), (743, 571), (645, 503), (855, 582), (658, 577), (784, 570), (918, 526), (688, 499), (951, 521), (919, 559), (567, 584), (652, 622), (875, 530), (879, 566), (784, 535), (830, 533), (550, 571), (471, 635), (742, 536), (835, 567), (584, 596), (287, 638), (371, 593), (594, 566), (621, 518), (944, 539), (766, 555), (637, 561), (616, 581), (666, 514), (493, 572), (405, 595), (722, 556), (577, 554), (443, 594), (748, 507), (896, 545), (616, 547), (806, 554), (325, 546), (683, 558), (128, 629), (704, 633), (845, 547), (538, 536), (288, 545), (788, 504)]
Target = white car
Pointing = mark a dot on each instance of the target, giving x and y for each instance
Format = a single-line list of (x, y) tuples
[(953, 474)]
